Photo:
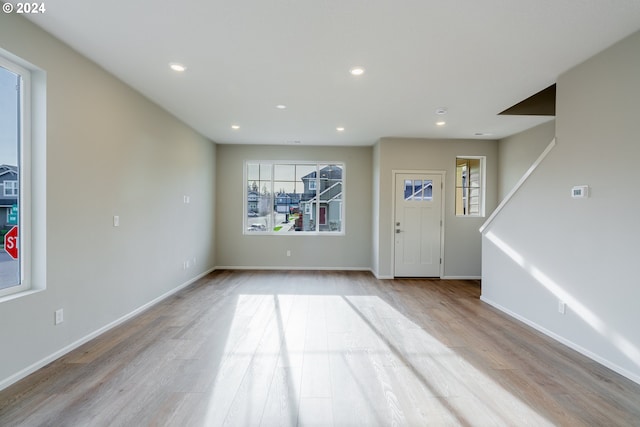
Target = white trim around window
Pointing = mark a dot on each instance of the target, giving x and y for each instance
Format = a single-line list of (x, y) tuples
[(285, 198), (31, 163)]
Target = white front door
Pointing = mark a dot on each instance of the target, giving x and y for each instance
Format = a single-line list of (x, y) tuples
[(417, 225)]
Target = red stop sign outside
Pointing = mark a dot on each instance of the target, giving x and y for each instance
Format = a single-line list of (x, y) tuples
[(11, 242)]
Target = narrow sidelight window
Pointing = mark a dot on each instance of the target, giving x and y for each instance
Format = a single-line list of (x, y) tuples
[(470, 186)]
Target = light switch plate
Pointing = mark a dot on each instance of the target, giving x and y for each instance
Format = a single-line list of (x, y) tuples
[(58, 317)]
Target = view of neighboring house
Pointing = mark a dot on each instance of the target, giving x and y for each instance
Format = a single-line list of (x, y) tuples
[(257, 203), (287, 203), (329, 196), (253, 201), (8, 196), (319, 203)]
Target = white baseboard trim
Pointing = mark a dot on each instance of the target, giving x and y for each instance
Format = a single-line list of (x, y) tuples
[(370, 270), (284, 268), (381, 277), (625, 373), (54, 356), (442, 278), (376, 275)]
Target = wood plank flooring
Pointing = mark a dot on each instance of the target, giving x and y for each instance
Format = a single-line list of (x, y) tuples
[(312, 348)]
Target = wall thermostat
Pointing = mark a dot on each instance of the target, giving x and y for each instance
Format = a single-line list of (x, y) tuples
[(580, 191)]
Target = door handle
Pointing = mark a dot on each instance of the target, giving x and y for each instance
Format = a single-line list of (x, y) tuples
[(398, 231)]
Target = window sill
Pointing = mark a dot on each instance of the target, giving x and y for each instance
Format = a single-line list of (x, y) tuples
[(21, 294), (298, 233)]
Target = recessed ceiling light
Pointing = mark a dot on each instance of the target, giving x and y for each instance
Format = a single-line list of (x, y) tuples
[(281, 106), (441, 123), (235, 127), (441, 111), (177, 67), (340, 129), (482, 134), (357, 71)]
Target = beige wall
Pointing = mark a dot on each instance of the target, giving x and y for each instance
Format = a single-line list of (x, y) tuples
[(547, 247), (518, 152), (238, 250), (462, 244), (110, 152)]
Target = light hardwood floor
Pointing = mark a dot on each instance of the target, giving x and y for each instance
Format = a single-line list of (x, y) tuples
[(322, 348)]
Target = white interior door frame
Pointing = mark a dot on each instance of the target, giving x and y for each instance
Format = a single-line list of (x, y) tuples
[(394, 174)]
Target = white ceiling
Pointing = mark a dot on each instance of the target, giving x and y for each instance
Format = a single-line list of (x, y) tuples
[(244, 57)]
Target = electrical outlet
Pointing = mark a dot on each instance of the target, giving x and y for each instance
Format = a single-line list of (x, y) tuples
[(288, 253), (116, 221), (58, 317)]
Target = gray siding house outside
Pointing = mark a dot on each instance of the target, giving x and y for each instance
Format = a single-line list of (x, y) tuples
[(329, 196), (8, 195)]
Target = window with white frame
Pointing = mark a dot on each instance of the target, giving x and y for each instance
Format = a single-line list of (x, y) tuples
[(470, 186), (10, 188), (293, 197), (15, 158)]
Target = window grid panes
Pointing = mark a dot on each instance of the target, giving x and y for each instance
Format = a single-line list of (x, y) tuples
[(469, 191), (294, 197), (10, 188), (418, 190)]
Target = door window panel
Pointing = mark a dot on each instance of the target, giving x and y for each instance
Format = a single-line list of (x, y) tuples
[(418, 189)]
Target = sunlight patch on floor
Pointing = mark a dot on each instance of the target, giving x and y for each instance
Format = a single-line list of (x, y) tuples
[(469, 395), (336, 360)]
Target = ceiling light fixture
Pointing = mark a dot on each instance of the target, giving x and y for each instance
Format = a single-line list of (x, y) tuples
[(340, 129), (441, 112), (357, 71), (177, 67), (281, 106), (235, 127)]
